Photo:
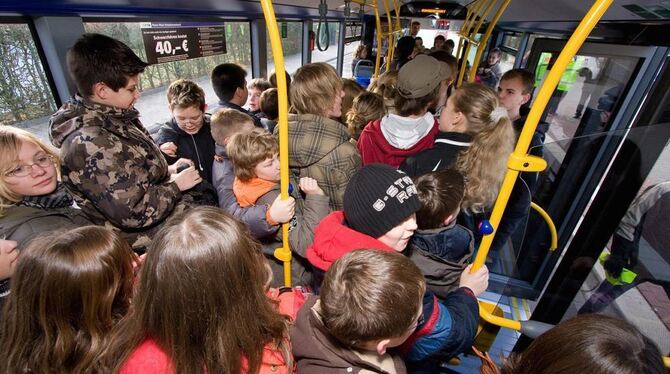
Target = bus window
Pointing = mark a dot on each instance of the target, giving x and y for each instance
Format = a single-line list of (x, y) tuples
[(26, 100), (156, 78), (351, 42), (291, 46), (329, 55)]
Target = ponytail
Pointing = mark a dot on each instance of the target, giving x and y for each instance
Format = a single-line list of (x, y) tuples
[(484, 163)]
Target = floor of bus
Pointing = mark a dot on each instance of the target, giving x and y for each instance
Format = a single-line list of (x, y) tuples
[(512, 307)]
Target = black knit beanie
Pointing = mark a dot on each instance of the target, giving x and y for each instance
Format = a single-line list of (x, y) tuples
[(379, 198)]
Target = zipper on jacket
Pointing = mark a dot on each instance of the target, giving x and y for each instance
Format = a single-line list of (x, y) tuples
[(197, 154)]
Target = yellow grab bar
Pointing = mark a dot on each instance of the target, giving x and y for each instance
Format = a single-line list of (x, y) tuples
[(485, 39), (520, 152), (378, 25), (550, 223), (391, 31), (284, 253), (464, 32), (473, 33)]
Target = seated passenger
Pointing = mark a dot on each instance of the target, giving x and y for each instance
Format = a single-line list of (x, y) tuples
[(256, 89), (395, 137), (589, 343), (32, 200), (255, 156), (351, 91), (379, 212), (111, 165), (68, 291), (318, 145), (441, 248), (370, 304), (367, 107), (8, 255), (476, 139), (230, 86), (490, 73), (187, 134), (270, 109), (201, 304), (225, 124)]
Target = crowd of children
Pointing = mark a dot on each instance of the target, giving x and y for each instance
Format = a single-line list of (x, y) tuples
[(381, 260)]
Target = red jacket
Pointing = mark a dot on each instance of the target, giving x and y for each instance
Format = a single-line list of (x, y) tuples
[(374, 148), (333, 239), (149, 358)]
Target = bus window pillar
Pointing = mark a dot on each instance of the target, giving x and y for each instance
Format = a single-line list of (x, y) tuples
[(307, 43), (56, 35), (259, 53), (340, 47)]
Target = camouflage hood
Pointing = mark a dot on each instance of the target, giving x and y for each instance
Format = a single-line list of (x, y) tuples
[(78, 113)]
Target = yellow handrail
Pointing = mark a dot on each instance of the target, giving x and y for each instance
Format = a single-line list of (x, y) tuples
[(550, 223), (519, 159), (284, 253), (465, 28), (391, 31), (378, 25), (473, 33), (485, 39)]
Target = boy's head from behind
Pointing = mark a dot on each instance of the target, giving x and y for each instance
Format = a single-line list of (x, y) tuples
[(187, 103), (317, 89), (380, 201), (228, 122), (441, 193), (105, 70), (230, 84), (270, 103), (254, 155), (372, 299)]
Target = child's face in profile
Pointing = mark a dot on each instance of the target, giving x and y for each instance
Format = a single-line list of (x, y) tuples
[(254, 99), (188, 119), (398, 237), (125, 97), (8, 256), (268, 169)]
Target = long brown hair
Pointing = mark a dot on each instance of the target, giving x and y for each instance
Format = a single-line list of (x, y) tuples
[(589, 343), (484, 163), (67, 293), (202, 298)]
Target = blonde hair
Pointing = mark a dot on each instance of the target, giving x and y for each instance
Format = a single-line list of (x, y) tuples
[(228, 122), (368, 106), (11, 139), (184, 93), (248, 149), (386, 84), (484, 163), (314, 89)]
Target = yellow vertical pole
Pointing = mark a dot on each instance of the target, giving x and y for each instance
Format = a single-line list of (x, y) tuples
[(519, 157), (485, 39), (391, 35), (283, 253), (471, 38), (378, 24), (469, 21)]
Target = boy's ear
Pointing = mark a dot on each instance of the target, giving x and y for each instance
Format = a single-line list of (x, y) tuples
[(526, 97), (382, 345), (204, 108), (449, 219), (100, 90), (226, 140)]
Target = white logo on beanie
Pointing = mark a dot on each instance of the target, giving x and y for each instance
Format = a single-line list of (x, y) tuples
[(402, 189)]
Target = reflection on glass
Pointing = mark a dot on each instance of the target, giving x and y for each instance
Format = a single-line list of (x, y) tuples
[(291, 46), (156, 78), (330, 54)]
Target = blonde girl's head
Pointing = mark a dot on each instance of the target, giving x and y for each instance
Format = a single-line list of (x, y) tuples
[(484, 163), (366, 107)]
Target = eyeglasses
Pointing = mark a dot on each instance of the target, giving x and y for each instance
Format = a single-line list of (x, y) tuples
[(25, 170)]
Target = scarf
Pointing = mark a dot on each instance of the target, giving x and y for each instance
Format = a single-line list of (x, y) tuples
[(60, 198), (405, 132)]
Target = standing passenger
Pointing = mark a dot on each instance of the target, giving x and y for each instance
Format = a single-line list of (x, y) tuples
[(201, 304), (318, 144), (256, 89), (395, 137), (230, 85), (8, 255), (111, 165), (187, 134), (68, 291)]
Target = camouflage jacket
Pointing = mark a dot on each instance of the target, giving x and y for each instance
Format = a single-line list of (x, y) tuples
[(114, 170), (319, 148)]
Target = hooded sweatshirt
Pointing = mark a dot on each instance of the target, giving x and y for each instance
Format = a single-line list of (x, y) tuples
[(319, 148), (113, 169), (393, 138)]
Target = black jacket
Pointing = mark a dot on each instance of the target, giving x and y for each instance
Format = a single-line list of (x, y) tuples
[(226, 104), (199, 147), (443, 154)]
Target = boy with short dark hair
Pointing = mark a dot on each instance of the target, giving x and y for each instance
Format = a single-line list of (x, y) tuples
[(347, 330), (440, 247), (230, 86), (188, 134), (225, 124), (255, 156), (114, 170)]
